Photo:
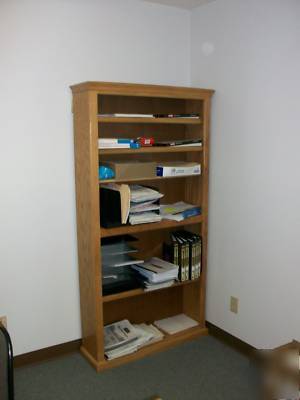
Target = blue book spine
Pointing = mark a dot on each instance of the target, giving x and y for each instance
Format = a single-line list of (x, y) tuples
[(159, 171), (191, 213), (125, 141), (135, 145)]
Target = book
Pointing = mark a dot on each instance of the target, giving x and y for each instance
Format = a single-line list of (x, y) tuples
[(125, 115), (111, 205), (182, 142), (183, 215), (149, 287), (133, 145), (115, 141), (157, 270), (184, 249), (184, 115), (179, 211), (140, 194), (179, 168), (195, 245), (144, 218), (176, 324)]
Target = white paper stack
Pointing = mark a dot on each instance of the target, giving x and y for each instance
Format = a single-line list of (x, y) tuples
[(157, 273), (176, 323), (142, 205)]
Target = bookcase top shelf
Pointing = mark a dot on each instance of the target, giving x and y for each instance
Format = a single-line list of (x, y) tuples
[(134, 89), (165, 224), (145, 120), (149, 150)]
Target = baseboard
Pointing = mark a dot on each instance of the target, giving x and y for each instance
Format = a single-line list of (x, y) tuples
[(70, 347), (231, 340), (47, 353)]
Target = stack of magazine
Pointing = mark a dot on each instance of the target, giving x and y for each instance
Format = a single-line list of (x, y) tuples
[(179, 211), (156, 273), (144, 207), (122, 338), (124, 203)]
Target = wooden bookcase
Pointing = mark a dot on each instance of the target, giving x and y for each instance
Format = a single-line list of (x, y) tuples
[(89, 100)]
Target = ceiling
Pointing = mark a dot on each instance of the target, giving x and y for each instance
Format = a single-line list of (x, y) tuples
[(188, 4)]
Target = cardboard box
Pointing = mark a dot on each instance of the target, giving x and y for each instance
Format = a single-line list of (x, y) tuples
[(133, 169)]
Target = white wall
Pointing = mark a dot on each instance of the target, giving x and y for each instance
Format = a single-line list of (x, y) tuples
[(249, 51), (44, 47)]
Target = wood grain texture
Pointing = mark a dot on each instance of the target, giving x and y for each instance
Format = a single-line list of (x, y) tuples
[(141, 292), (132, 89), (88, 232), (169, 121), (168, 342), (156, 178), (204, 225), (90, 100), (131, 229), (150, 150)]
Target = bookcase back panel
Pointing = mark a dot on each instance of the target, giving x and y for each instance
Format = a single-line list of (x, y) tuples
[(110, 104), (150, 244), (146, 157), (159, 132), (145, 308), (177, 189)]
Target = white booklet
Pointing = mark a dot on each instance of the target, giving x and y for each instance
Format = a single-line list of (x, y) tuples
[(176, 324)]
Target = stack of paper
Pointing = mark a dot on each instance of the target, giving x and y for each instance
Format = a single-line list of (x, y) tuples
[(117, 143), (179, 211), (143, 207), (157, 273), (122, 338), (175, 324)]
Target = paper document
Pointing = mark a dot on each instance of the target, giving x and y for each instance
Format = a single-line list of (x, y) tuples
[(176, 324), (118, 334)]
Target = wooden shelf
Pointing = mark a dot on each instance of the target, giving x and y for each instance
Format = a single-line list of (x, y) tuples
[(151, 150), (176, 121), (154, 226), (89, 100), (155, 178), (168, 342), (140, 291)]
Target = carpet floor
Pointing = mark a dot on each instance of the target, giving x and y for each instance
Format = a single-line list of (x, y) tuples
[(204, 369)]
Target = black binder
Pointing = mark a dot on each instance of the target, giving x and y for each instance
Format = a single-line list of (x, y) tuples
[(110, 208)]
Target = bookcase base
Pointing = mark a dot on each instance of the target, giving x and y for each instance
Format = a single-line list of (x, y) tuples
[(168, 342)]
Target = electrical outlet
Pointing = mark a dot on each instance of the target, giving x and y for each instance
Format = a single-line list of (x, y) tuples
[(234, 304), (3, 321)]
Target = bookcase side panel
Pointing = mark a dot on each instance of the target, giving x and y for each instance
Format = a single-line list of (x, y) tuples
[(88, 228), (204, 225)]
